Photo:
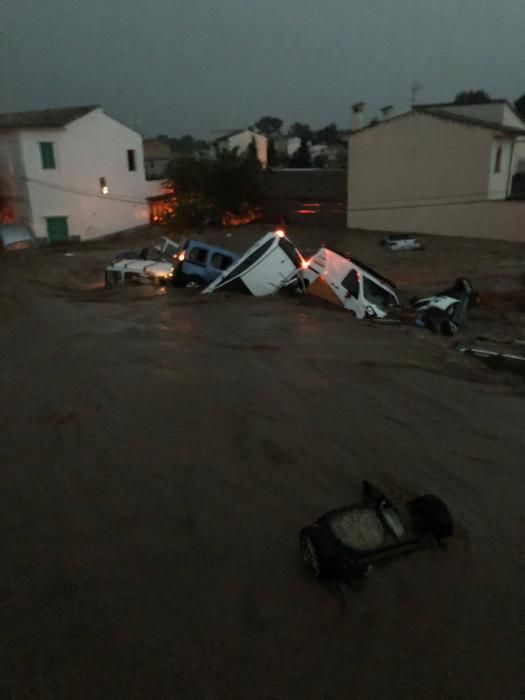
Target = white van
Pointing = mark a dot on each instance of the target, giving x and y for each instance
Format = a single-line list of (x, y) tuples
[(271, 263), (124, 272), (349, 283)]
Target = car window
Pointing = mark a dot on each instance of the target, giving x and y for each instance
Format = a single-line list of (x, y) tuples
[(376, 294), (290, 251), (198, 255), (351, 283), (249, 261), (170, 251), (220, 261)]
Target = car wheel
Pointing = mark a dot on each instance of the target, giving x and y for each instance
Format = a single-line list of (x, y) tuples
[(431, 516), (193, 283), (318, 552)]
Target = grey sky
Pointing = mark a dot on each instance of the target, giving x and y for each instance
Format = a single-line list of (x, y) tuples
[(181, 66)]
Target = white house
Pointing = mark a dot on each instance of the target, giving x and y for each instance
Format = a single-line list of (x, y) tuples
[(72, 172), (241, 140), (287, 145), (441, 168)]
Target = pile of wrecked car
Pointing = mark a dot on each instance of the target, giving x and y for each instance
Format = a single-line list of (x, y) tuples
[(274, 263)]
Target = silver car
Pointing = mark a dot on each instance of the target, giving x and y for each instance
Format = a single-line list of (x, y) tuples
[(16, 237)]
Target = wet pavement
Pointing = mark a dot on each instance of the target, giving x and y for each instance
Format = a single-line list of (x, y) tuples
[(160, 453)]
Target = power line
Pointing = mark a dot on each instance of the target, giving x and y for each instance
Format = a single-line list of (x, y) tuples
[(87, 193)]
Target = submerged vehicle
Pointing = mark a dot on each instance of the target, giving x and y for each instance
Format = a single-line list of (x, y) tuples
[(197, 263), (16, 237), (344, 543), (401, 241), (446, 311), (349, 283), (163, 249), (270, 264), (125, 272)]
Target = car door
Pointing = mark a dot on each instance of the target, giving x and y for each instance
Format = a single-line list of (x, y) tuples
[(195, 262)]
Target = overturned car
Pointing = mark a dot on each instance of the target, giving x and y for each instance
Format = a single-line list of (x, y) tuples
[(270, 264), (446, 311), (347, 282)]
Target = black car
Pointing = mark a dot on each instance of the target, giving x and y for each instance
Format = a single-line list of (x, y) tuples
[(344, 543)]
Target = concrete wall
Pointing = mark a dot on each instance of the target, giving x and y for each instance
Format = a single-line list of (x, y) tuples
[(490, 219), (89, 148), (156, 168)]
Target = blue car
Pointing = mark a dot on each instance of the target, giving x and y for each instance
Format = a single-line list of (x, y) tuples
[(198, 264)]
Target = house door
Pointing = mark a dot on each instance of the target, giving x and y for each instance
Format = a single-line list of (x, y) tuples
[(57, 229)]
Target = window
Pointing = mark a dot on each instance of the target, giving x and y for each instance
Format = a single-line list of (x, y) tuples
[(104, 189), (497, 164), (57, 229), (351, 284), (198, 255), (132, 165), (290, 251), (47, 154), (377, 295), (220, 261)]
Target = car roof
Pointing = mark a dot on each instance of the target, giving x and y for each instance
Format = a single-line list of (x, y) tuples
[(362, 265), (192, 242)]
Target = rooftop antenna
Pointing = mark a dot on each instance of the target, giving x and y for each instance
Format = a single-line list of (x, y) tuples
[(414, 89)]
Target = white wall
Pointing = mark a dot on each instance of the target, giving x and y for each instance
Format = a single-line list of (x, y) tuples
[(500, 183), (243, 139), (91, 147)]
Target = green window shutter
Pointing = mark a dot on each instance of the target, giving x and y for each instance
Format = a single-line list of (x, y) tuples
[(47, 153), (57, 229)]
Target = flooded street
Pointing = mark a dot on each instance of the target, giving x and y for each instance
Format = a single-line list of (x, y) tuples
[(160, 452)]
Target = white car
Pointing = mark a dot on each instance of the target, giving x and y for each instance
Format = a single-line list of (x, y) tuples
[(398, 242), (270, 264), (124, 272), (349, 283)]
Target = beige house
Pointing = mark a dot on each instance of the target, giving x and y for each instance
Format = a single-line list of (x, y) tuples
[(443, 169), (157, 157)]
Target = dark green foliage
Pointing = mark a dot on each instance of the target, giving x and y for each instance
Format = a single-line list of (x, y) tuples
[(329, 134), (301, 158), (269, 125), (302, 131), (206, 190)]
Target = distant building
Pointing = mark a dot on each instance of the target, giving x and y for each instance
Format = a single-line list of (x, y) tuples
[(241, 140), (157, 156), (286, 145), (440, 168), (72, 172)]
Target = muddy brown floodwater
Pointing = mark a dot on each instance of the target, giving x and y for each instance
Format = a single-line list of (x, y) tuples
[(161, 451)]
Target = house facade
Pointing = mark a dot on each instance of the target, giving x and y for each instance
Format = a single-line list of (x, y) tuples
[(241, 140), (157, 157), (443, 169), (72, 172)]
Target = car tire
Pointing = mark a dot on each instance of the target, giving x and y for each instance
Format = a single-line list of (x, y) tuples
[(193, 283), (319, 552), (430, 515)]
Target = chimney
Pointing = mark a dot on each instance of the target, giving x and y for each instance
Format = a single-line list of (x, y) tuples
[(386, 112), (357, 116)]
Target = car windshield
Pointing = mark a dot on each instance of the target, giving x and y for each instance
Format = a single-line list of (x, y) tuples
[(377, 295)]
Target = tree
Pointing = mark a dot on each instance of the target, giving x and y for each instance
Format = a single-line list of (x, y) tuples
[(269, 125), (251, 151), (472, 97), (209, 189), (328, 134), (301, 158), (520, 106), (302, 131), (320, 161), (273, 158)]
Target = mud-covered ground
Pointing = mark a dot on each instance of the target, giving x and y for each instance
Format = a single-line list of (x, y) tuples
[(160, 452)]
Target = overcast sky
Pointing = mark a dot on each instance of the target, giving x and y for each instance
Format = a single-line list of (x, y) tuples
[(191, 66)]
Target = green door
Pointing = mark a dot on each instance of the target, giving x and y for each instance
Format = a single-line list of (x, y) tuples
[(57, 230)]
